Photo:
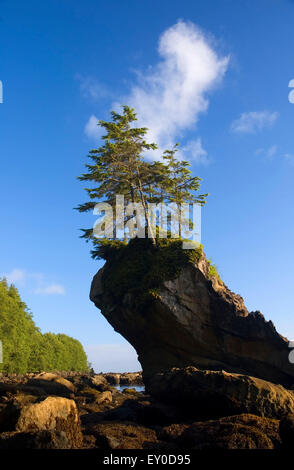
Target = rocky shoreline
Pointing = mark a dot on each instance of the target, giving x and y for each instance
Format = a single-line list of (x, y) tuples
[(113, 378), (216, 376), (87, 411)]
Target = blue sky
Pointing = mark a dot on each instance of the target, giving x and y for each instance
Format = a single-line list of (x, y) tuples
[(64, 62)]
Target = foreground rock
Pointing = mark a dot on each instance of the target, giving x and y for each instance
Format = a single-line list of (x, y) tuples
[(131, 378), (122, 436), (52, 384), (189, 317), (54, 420), (244, 431), (35, 440), (113, 419), (219, 393), (126, 378)]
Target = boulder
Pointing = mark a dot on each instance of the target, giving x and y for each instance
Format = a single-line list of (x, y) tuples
[(173, 432), (104, 397), (131, 378), (234, 432), (54, 414), (99, 381), (179, 313), (112, 378), (52, 384), (11, 389), (130, 391), (116, 435), (34, 440), (91, 393), (210, 394)]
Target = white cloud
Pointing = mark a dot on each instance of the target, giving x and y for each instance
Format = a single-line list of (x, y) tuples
[(113, 357), (92, 88), (272, 151), (35, 282), (289, 157), (16, 275), (171, 95), (269, 153), (254, 121), (51, 289), (194, 151), (92, 130)]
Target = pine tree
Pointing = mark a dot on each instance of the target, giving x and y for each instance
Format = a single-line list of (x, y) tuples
[(178, 185), (118, 166)]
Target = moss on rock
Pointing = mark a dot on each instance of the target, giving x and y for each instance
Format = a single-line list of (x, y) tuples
[(140, 268)]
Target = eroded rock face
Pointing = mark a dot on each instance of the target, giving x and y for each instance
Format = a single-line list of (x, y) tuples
[(211, 394), (196, 320)]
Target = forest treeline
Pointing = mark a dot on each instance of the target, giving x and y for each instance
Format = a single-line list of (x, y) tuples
[(25, 348)]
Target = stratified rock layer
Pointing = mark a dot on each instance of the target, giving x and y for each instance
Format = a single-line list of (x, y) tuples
[(194, 319), (205, 393)]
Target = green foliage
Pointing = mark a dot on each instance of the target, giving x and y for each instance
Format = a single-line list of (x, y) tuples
[(140, 267), (107, 248), (25, 348), (118, 167), (179, 185), (212, 270)]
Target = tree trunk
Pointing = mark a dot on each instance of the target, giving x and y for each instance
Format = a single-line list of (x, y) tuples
[(148, 225)]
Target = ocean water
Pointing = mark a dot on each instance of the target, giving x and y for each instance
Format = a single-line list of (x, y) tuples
[(139, 388)]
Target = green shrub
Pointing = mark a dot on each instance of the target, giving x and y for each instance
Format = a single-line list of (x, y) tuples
[(212, 270)]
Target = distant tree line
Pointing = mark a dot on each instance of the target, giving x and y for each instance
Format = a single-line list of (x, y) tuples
[(25, 348)]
